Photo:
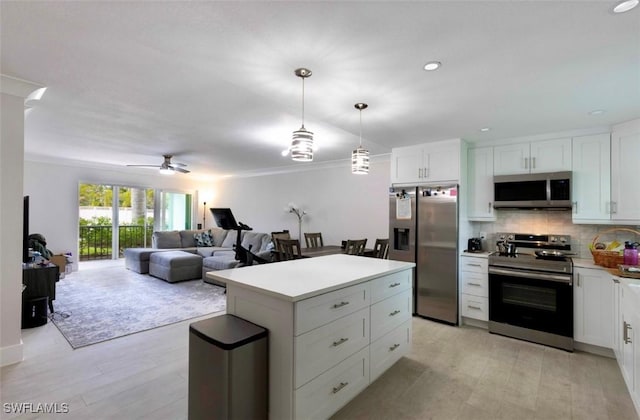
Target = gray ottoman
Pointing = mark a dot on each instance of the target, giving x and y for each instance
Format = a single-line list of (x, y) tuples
[(174, 266), (137, 259)]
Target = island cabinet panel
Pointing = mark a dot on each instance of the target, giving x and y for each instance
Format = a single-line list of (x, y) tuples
[(389, 348), (327, 393), (389, 314), (322, 348), (328, 318), (320, 310)]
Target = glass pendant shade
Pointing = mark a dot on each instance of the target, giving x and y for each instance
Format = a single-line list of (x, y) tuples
[(302, 145), (360, 161)]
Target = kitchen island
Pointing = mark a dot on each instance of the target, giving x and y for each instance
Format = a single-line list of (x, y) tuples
[(335, 324)]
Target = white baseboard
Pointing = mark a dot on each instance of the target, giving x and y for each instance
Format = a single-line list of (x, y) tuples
[(11, 354)]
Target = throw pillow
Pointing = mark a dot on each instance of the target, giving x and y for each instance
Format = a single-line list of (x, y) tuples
[(203, 239)]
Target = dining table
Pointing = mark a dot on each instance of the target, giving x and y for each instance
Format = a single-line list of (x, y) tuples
[(327, 250)]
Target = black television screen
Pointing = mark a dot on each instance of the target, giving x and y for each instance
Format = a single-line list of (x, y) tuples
[(224, 218), (25, 230)]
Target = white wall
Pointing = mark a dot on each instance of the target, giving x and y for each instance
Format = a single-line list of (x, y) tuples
[(339, 204)]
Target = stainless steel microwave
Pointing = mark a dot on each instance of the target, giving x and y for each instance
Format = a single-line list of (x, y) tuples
[(544, 190)]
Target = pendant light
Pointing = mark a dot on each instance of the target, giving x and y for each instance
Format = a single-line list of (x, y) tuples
[(360, 156), (302, 142)]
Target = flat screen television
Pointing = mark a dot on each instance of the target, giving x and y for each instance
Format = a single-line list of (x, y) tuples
[(224, 218), (25, 230)]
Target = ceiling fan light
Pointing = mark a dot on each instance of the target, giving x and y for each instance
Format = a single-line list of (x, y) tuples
[(302, 145), (360, 161), (167, 171)]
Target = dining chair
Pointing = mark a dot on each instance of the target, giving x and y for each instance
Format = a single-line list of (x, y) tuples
[(313, 240), (289, 249), (355, 246), (381, 249)]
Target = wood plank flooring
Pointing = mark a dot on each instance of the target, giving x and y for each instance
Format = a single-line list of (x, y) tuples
[(451, 373)]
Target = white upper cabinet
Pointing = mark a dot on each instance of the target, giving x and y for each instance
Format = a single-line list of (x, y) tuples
[(591, 178), (625, 174), (535, 157), (430, 162), (480, 184)]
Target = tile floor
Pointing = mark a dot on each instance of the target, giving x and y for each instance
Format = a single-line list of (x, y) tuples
[(451, 373)]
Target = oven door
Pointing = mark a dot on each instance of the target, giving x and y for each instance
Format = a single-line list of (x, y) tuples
[(532, 300)]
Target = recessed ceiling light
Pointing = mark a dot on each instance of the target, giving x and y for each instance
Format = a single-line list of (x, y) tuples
[(597, 112), (625, 6), (485, 129), (432, 65)]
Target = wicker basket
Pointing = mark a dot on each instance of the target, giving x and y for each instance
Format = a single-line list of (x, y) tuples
[(609, 259)]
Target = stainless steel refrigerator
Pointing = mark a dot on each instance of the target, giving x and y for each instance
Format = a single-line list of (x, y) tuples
[(423, 228)]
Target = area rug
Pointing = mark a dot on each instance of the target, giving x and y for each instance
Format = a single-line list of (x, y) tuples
[(101, 304)]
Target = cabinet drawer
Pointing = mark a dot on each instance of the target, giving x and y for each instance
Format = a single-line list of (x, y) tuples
[(389, 313), (327, 393), (388, 349), (324, 347), (476, 284), (473, 264), (475, 307), (384, 287), (320, 310)]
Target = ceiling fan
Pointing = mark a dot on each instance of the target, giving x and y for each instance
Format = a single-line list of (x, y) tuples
[(167, 167)]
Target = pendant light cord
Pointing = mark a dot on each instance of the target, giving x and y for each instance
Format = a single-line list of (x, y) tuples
[(302, 102), (360, 128)]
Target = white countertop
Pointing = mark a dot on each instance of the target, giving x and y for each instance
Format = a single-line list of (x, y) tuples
[(301, 279), (481, 254)]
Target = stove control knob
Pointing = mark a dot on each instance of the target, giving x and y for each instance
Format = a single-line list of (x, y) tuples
[(501, 237), (553, 239), (510, 237), (563, 239)]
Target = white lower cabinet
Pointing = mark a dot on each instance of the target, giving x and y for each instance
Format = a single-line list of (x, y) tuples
[(324, 395), (345, 339), (592, 307), (474, 286)]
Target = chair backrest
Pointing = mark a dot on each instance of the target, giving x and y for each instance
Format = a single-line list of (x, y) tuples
[(280, 235), (355, 246), (381, 248), (289, 249), (313, 240)]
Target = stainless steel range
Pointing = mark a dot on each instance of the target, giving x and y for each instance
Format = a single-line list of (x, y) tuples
[(531, 289)]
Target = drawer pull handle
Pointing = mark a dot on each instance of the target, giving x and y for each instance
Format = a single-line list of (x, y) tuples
[(340, 305), (337, 343), (337, 389), (394, 285), (474, 307), (396, 312), (474, 284), (395, 346), (474, 265)]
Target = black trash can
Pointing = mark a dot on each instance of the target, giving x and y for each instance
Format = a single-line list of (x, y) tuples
[(228, 365), (34, 312)]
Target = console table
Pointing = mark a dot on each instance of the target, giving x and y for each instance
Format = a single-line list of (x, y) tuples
[(40, 282)]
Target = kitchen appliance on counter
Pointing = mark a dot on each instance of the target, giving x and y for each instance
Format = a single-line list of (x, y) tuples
[(531, 289), (423, 228), (544, 190), (474, 245)]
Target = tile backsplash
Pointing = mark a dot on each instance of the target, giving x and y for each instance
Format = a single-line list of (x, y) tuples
[(552, 222)]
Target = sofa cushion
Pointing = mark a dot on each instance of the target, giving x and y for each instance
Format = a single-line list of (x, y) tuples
[(218, 235), (187, 238), (203, 239), (230, 239), (258, 241), (166, 239)]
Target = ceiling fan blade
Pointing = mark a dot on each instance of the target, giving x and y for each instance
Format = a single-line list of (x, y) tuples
[(178, 169), (178, 164), (145, 166)]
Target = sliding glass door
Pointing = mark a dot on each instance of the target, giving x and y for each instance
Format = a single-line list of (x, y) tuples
[(112, 218)]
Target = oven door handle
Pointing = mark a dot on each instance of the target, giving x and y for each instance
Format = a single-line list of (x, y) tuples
[(530, 275)]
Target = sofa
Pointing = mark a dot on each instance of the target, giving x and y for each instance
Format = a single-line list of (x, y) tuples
[(214, 247)]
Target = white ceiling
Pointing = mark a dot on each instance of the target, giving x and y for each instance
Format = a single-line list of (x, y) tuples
[(213, 83)]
